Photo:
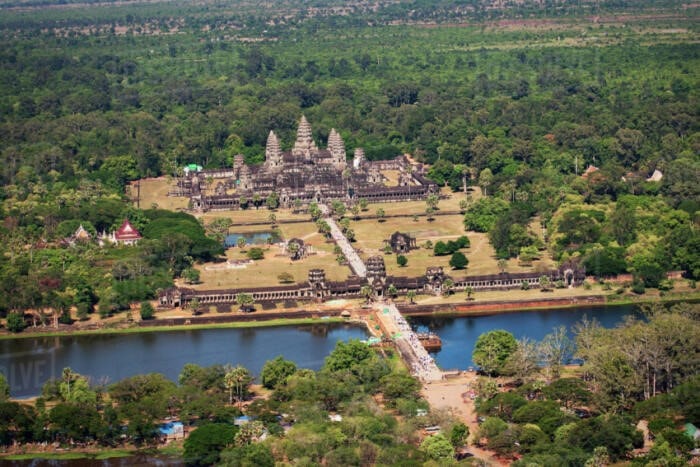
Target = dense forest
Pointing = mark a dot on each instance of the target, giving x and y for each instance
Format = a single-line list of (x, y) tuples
[(520, 110)]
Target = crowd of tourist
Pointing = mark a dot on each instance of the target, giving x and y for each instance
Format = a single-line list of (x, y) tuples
[(422, 365)]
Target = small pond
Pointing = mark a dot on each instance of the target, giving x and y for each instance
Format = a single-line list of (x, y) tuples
[(251, 238)]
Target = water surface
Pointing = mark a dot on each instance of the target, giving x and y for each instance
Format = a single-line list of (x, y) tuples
[(251, 238), (28, 363), (459, 334)]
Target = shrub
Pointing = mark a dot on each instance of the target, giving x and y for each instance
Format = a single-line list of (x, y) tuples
[(256, 254), (15, 322), (401, 260), (638, 287), (458, 260), (147, 311)]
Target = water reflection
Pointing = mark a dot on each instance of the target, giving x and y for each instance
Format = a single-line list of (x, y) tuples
[(28, 363), (459, 334)]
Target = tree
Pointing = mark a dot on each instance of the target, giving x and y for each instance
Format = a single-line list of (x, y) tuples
[(411, 295), (623, 223), (463, 205), (276, 372), (241, 242), (392, 291), (523, 363), (75, 388), (441, 249), (458, 260), (502, 265), (492, 350), (459, 435), (485, 180), (285, 278), (323, 228), (568, 391), (314, 211), (255, 454), (484, 213), (338, 208), (437, 447), (203, 445), (363, 204), (147, 311), (4, 389), (367, 292), (249, 432), (245, 302), (470, 292), (347, 355), (432, 201), (15, 322), (381, 215), (256, 253), (647, 269), (236, 382), (554, 350), (272, 200), (447, 286), (545, 283), (77, 423), (191, 275), (401, 260)]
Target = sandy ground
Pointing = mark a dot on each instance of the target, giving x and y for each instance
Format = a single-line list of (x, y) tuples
[(452, 394)]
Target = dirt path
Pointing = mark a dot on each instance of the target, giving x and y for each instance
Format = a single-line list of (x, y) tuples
[(453, 394), (479, 244)]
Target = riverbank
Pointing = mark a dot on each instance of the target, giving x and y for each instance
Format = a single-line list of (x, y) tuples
[(135, 329), (487, 303), (170, 454)]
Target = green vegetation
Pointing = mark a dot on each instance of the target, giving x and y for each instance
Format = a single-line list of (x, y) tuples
[(576, 420), (291, 422)]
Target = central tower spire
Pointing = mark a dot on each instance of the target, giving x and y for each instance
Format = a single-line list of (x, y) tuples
[(304, 146)]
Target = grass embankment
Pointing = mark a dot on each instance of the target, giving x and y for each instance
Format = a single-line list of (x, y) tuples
[(184, 327), (73, 455), (171, 450)]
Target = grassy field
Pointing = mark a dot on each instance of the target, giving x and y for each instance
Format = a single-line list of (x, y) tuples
[(154, 192), (264, 272), (370, 235)]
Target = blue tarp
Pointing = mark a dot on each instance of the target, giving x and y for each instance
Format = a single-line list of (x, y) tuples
[(170, 428)]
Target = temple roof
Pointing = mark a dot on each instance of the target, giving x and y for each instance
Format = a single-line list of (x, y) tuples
[(127, 232)]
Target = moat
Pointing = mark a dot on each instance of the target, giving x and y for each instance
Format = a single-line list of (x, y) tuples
[(29, 362)]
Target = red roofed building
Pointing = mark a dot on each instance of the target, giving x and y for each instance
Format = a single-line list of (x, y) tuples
[(125, 235)]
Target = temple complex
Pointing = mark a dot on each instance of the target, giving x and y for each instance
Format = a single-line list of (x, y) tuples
[(305, 174)]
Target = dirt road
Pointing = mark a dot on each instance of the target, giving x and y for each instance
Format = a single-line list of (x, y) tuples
[(453, 394)]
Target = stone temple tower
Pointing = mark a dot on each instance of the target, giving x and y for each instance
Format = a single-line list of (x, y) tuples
[(336, 147), (273, 154), (358, 159), (304, 146), (246, 179)]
